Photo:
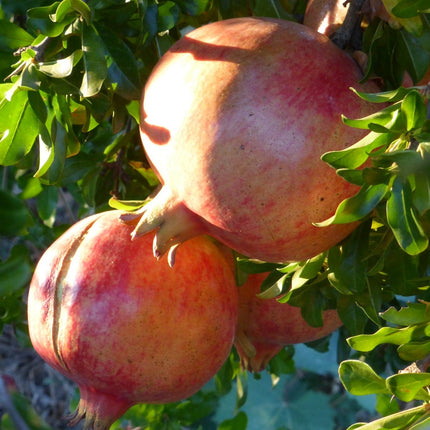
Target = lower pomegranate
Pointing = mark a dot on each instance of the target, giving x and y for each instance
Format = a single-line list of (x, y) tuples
[(126, 327), (265, 326)]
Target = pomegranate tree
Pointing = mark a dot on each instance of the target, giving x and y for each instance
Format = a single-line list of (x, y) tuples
[(235, 117), (265, 326), (126, 327)]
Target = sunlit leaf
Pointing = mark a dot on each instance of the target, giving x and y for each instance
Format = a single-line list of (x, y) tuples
[(367, 342), (360, 379), (414, 109), (413, 313), (13, 36), (70, 6), (57, 69), (385, 117), (39, 19), (402, 219), (355, 155), (358, 206), (307, 270), (95, 63), (399, 421), (19, 127), (385, 96), (409, 386)]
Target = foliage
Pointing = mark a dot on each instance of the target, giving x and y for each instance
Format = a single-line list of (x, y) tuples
[(72, 73)]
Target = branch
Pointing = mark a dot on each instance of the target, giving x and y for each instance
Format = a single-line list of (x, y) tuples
[(343, 35)]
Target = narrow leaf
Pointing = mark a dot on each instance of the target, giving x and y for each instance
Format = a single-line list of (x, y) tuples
[(355, 155), (402, 219), (358, 206), (94, 61)]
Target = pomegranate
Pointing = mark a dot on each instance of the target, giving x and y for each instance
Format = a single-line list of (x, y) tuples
[(126, 327), (325, 16), (265, 326), (235, 117)]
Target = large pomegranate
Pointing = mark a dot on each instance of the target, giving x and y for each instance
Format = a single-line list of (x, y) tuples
[(235, 117), (265, 326), (126, 327)]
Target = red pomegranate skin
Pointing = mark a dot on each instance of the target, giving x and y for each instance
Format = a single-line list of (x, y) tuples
[(235, 117), (266, 326), (126, 327)]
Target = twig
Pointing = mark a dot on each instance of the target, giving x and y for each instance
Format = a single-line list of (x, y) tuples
[(343, 35), (8, 406)]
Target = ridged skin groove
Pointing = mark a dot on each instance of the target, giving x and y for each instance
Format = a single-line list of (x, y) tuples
[(59, 291)]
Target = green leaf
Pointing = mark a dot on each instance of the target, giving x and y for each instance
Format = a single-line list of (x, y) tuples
[(57, 69), (193, 7), (273, 285), (390, 96), (355, 155), (19, 127), (368, 342), (351, 315), (410, 8), (307, 270), (413, 351), (402, 219), (94, 62), (124, 70), (16, 271), (358, 206), (386, 117), (239, 422), (14, 214), (67, 7), (168, 16), (421, 192), (409, 386), (39, 19), (413, 313), (359, 378), (348, 268), (399, 421), (12, 36), (47, 202), (412, 57), (414, 109)]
